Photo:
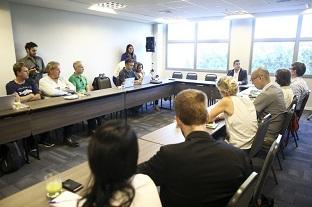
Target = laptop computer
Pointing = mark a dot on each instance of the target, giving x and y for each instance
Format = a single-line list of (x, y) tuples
[(146, 79), (129, 82), (6, 102)]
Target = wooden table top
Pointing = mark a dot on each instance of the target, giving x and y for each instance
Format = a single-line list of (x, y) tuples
[(170, 134)]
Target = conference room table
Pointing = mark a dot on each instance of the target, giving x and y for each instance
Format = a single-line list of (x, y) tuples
[(52, 113), (171, 134), (14, 125)]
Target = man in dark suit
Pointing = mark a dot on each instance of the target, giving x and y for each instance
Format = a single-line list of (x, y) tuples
[(238, 73), (200, 171)]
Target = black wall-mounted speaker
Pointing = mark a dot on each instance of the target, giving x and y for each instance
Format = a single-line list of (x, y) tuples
[(150, 44)]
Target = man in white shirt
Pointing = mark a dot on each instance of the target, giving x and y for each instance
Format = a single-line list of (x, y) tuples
[(53, 85), (238, 73), (298, 84)]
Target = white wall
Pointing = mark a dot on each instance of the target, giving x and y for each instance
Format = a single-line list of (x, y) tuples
[(66, 37), (7, 53)]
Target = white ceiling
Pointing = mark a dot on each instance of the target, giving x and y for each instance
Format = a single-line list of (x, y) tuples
[(149, 10)]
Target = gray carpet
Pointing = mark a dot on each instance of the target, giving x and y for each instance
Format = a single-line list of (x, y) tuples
[(295, 181)]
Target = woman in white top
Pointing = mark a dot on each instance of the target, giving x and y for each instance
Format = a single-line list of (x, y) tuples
[(283, 77), (239, 113), (113, 156)]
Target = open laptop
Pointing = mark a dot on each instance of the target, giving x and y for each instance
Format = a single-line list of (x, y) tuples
[(146, 79), (6, 102), (129, 82)]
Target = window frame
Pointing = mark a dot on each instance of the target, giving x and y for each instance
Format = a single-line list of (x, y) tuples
[(297, 40), (196, 42)]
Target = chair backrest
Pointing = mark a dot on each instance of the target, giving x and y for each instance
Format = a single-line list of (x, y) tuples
[(177, 75), (244, 194), (191, 76), (115, 81), (288, 117), (265, 168), (211, 77), (260, 134), (293, 102), (303, 103)]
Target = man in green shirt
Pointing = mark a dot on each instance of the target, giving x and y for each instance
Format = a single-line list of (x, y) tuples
[(78, 80), (82, 86)]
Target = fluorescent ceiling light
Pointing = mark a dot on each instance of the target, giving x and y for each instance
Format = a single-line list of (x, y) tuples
[(170, 20), (239, 16), (99, 8)]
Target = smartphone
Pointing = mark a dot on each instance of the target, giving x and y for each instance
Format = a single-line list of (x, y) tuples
[(72, 185)]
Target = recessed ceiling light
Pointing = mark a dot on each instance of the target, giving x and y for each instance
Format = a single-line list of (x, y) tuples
[(238, 15), (107, 7)]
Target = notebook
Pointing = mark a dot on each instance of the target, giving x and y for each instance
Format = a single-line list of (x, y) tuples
[(146, 79), (129, 82), (6, 102)]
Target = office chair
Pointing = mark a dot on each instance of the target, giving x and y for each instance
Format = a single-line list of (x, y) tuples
[(191, 76), (265, 169), (177, 75), (244, 193), (211, 77)]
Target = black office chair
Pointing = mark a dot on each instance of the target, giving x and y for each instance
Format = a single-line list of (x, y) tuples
[(300, 106), (259, 137), (211, 77), (265, 169), (243, 195), (286, 127), (177, 75), (115, 81), (191, 76)]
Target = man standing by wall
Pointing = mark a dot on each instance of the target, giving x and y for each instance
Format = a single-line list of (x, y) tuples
[(33, 62)]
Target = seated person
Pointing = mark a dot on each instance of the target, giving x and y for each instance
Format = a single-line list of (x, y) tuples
[(127, 72), (200, 171), (282, 77), (24, 88), (82, 86), (298, 84), (238, 73), (239, 113), (270, 100), (53, 85), (129, 54), (113, 157), (139, 72)]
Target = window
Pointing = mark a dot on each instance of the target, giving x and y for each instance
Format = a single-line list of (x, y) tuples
[(305, 44), (272, 55), (278, 42), (201, 45), (274, 42)]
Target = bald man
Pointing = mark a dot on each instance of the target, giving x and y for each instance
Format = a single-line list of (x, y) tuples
[(270, 100)]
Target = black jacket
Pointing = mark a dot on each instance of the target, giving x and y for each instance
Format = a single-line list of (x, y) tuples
[(242, 76), (198, 172)]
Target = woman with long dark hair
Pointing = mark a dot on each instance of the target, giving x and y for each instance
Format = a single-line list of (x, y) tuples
[(113, 156), (129, 54)]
